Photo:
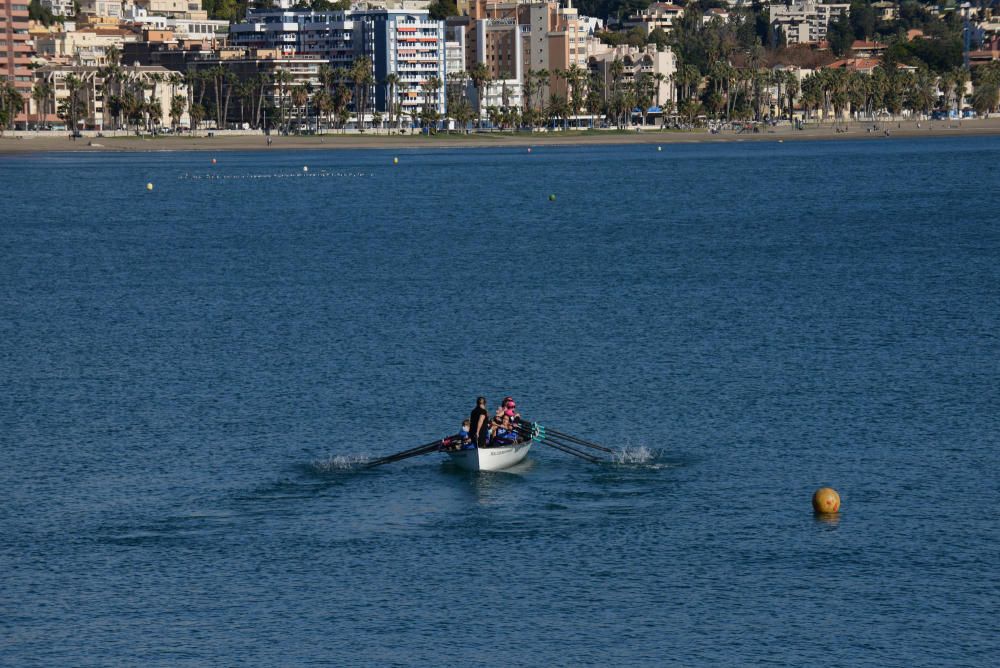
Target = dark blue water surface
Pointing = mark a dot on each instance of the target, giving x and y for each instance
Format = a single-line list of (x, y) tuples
[(188, 373)]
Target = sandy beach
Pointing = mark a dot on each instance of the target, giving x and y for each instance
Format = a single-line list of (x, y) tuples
[(29, 142)]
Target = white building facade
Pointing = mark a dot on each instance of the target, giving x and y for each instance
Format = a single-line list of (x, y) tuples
[(407, 43)]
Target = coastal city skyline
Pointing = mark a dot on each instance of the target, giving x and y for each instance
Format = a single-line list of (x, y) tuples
[(166, 64)]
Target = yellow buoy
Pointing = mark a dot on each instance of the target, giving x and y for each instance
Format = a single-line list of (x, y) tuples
[(552, 197), (149, 186), (395, 161), (826, 501)]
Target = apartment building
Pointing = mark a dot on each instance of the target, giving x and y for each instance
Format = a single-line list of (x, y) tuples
[(805, 21), (407, 43), (15, 54), (86, 46), (60, 7), (104, 8), (150, 82), (645, 61), (659, 15), (511, 38)]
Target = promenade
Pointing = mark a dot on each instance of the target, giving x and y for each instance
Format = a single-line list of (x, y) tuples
[(29, 142)]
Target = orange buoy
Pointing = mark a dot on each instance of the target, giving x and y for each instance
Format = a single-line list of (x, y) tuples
[(826, 501)]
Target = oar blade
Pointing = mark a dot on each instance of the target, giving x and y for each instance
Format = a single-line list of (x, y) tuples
[(425, 449)]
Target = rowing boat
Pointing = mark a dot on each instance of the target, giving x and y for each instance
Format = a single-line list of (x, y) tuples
[(495, 458)]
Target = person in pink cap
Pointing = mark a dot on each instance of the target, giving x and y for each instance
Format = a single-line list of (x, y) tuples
[(510, 409)]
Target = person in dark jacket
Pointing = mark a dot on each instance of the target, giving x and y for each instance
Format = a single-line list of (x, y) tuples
[(479, 423)]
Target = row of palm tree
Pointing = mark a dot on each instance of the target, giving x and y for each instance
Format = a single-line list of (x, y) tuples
[(754, 92), (728, 92)]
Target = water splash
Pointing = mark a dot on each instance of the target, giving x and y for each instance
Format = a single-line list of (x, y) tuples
[(339, 463), (634, 454)]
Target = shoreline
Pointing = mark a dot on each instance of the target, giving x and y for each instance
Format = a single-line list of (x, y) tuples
[(28, 143)]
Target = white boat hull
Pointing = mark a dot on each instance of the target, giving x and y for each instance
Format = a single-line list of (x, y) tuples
[(491, 459)]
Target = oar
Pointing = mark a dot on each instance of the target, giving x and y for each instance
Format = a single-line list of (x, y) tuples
[(570, 451), (427, 448), (537, 434), (577, 440), (551, 433)]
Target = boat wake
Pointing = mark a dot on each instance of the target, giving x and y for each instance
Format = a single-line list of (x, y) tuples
[(339, 463)]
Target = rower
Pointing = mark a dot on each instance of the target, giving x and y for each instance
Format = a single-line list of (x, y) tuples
[(510, 410), (463, 437), (505, 434)]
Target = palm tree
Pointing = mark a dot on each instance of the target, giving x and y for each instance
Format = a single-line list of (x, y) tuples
[(197, 115), (177, 104), (643, 86), (812, 92), (837, 88), (616, 70), (479, 74), (113, 55), (921, 97), (74, 85), (41, 93), (391, 83), (11, 102), (299, 98), (556, 108), (154, 111), (261, 81), (430, 90), (576, 77), (326, 74), (542, 78), (361, 75), (658, 78), (960, 77), (341, 104), (282, 78), (987, 92), (527, 92), (323, 103), (791, 90)]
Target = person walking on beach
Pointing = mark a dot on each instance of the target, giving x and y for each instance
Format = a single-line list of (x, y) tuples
[(479, 423)]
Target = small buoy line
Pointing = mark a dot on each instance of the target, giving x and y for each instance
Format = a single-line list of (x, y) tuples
[(293, 175)]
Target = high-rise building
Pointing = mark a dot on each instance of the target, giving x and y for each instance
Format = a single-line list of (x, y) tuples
[(511, 37), (407, 43), (412, 46), (15, 54)]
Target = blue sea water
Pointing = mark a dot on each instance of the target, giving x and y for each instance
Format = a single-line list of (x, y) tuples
[(191, 374)]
